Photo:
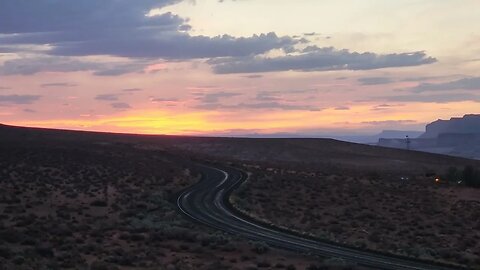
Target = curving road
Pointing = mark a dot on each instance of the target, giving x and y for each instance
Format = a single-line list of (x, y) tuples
[(207, 202)]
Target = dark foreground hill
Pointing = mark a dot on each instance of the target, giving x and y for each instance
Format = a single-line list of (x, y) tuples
[(290, 153), (77, 200)]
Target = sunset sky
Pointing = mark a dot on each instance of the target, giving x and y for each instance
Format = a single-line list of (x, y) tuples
[(210, 67)]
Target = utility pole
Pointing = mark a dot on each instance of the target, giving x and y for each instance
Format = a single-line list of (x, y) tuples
[(407, 141)]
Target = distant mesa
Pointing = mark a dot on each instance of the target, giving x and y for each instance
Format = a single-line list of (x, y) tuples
[(468, 124), (459, 136)]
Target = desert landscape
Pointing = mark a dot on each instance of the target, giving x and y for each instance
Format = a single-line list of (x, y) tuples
[(395, 201), (239, 135), (68, 204), (416, 217), (79, 200)]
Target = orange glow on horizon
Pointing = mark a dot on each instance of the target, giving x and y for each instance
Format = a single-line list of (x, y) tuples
[(217, 122)]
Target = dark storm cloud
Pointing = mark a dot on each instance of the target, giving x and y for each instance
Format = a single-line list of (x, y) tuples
[(462, 84), (24, 16), (18, 99), (375, 80), (119, 28), (175, 46), (322, 59)]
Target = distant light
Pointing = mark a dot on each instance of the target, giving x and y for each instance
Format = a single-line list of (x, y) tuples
[(437, 180)]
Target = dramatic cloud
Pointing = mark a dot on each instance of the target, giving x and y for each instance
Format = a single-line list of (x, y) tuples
[(375, 80), (259, 106), (120, 105), (22, 16), (163, 100), (320, 59), (42, 63), (382, 107), (268, 96), (277, 105), (107, 97), (29, 66), (263, 101), (59, 84), (176, 46), (120, 28), (216, 96), (462, 84), (253, 76), (132, 90), (435, 98), (389, 122), (18, 99)]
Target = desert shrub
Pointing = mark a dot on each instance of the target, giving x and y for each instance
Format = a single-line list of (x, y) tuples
[(12, 236), (97, 265), (99, 203), (313, 267), (229, 247), (453, 174), (244, 258), (5, 252), (471, 176), (137, 237), (44, 250), (260, 248), (263, 264), (18, 260), (373, 175), (291, 267), (374, 237), (335, 263)]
